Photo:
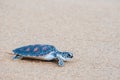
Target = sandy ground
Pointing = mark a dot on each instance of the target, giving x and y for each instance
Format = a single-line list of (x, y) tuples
[(88, 28)]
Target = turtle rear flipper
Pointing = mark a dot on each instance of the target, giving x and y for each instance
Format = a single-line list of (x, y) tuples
[(17, 57)]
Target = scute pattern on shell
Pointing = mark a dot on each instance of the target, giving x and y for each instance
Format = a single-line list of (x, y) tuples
[(34, 50)]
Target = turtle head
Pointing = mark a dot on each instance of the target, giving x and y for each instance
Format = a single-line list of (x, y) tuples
[(66, 56)]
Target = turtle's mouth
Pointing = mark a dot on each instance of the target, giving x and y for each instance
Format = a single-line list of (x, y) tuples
[(71, 56), (67, 59)]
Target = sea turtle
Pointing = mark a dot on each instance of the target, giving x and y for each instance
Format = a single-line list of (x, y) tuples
[(43, 52)]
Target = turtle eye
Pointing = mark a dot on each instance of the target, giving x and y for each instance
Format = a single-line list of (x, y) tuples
[(68, 55)]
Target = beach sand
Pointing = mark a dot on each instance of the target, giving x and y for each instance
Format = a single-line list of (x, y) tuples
[(90, 29)]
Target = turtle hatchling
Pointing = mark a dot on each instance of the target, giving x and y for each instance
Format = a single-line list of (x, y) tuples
[(43, 52)]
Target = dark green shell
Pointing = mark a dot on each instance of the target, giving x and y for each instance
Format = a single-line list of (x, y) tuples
[(34, 50)]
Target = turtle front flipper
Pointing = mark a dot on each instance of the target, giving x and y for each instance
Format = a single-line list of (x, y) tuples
[(60, 62), (17, 57)]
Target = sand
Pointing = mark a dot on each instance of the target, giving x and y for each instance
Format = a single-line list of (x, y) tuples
[(88, 28)]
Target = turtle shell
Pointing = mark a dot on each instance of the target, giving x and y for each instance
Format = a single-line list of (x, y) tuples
[(34, 50)]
